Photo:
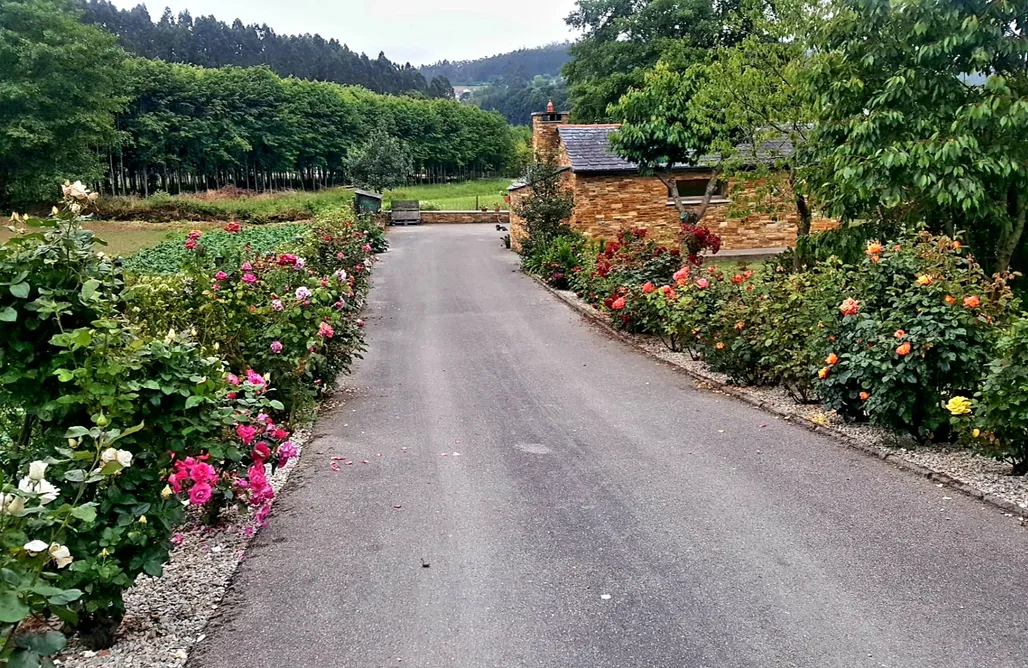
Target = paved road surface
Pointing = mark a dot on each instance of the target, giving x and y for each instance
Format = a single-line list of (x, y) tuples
[(602, 512)]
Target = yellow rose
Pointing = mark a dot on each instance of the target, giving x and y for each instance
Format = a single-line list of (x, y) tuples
[(959, 405)]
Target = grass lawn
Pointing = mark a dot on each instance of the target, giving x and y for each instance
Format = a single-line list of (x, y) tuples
[(127, 238), (465, 196)]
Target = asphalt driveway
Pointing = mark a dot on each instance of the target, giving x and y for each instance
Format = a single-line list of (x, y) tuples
[(538, 494)]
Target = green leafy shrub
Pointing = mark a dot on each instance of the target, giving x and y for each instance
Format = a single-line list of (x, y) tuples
[(87, 363), (996, 421), (916, 325), (168, 257)]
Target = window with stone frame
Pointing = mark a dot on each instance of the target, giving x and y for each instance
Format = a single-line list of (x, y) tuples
[(692, 190)]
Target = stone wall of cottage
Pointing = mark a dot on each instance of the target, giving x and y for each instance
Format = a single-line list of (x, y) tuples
[(605, 204)]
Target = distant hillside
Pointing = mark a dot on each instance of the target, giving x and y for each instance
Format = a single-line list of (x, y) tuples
[(208, 42), (522, 64)]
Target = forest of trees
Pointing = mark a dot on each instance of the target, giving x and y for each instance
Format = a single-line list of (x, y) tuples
[(517, 99), (77, 106), (208, 42), (523, 64)]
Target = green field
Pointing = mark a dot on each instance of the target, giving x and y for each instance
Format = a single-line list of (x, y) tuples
[(465, 196)]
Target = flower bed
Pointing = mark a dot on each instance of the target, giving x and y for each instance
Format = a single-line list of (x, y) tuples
[(128, 397), (914, 338)]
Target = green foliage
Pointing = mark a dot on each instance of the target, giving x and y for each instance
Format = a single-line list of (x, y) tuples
[(923, 332), (379, 163), (169, 256), (557, 260), (999, 424), (622, 39), (544, 60), (661, 128), (546, 207), (61, 88), (208, 42), (122, 397), (224, 205), (518, 99), (920, 116)]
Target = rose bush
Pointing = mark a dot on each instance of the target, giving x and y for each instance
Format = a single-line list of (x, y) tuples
[(890, 339), (917, 327), (126, 398)]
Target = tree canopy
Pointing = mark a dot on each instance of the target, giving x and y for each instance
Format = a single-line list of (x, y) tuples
[(61, 86), (622, 39), (921, 113), (208, 42), (523, 64), (517, 100)]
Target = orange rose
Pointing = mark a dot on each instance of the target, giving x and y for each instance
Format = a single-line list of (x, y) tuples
[(957, 245), (950, 299), (876, 259), (904, 349), (972, 302), (899, 334), (720, 345), (823, 373), (740, 325), (832, 359), (924, 279), (864, 396), (874, 248)]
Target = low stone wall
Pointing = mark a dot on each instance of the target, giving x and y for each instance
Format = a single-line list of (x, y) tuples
[(454, 217), (465, 217)]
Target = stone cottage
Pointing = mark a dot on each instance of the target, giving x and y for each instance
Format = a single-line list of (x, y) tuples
[(610, 194)]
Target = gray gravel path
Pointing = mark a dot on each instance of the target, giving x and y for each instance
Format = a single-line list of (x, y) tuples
[(601, 512)]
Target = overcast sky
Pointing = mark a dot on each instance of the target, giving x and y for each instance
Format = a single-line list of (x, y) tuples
[(415, 31)]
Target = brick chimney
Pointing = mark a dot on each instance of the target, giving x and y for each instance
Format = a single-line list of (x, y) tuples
[(544, 132)]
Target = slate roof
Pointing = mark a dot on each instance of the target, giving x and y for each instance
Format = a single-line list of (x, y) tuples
[(588, 146)]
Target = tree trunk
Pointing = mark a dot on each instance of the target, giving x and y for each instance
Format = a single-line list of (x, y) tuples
[(802, 228), (1011, 237)]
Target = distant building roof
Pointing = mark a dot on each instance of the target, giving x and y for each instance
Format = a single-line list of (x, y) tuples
[(588, 147)]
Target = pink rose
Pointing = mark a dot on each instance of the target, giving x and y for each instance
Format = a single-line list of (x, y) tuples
[(232, 379), (249, 278), (254, 378), (191, 244), (261, 452), (220, 276), (202, 472), (360, 323), (200, 494), (286, 451), (325, 330), (276, 347), (246, 433), (703, 283)]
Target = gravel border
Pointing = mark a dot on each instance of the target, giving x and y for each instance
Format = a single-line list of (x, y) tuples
[(166, 616), (966, 472)]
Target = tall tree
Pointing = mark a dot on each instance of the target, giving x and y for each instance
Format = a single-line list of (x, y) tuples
[(622, 39), (661, 128), (381, 162), (756, 86), (922, 115), (208, 42), (61, 86)]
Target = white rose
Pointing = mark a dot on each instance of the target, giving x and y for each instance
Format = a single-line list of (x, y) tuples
[(42, 488), (37, 470), (77, 190), (11, 504), (108, 455), (61, 555), (125, 458), (35, 547)]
